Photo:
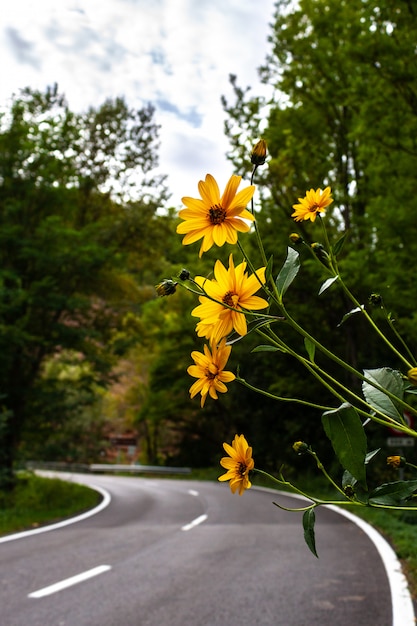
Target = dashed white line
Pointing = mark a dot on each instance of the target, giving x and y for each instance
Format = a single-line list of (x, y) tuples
[(193, 492), (68, 582), (195, 522)]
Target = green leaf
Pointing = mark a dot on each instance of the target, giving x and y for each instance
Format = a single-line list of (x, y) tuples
[(344, 428), (265, 348), (327, 283), (393, 494), (339, 244), (288, 271), (346, 316), (392, 381), (311, 348), (309, 518)]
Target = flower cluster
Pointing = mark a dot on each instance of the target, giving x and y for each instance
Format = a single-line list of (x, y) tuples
[(229, 299)]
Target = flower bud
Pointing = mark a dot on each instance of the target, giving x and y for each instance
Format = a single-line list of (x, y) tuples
[(412, 375), (295, 238), (396, 461), (184, 274), (320, 253), (166, 287), (375, 299), (258, 154), (300, 447)]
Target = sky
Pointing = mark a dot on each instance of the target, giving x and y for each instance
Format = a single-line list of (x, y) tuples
[(175, 54)]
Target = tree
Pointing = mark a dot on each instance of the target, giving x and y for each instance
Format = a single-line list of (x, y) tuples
[(343, 78), (72, 246)]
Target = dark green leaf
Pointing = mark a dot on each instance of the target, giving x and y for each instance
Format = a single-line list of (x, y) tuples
[(392, 381), (344, 429), (339, 244), (311, 348), (309, 518), (288, 271), (265, 348), (393, 494)]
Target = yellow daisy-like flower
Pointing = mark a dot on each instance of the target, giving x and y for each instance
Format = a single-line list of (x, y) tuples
[(412, 375), (234, 288), (238, 464), (216, 219), (209, 369), (314, 202)]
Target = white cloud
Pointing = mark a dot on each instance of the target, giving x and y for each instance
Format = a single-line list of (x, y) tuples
[(177, 54)]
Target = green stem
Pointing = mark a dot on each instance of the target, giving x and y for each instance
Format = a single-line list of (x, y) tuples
[(343, 364), (352, 298), (243, 382)]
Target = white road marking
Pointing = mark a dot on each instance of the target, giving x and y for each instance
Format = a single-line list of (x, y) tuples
[(192, 492), (195, 522), (402, 604), (43, 529), (68, 582), (401, 600)]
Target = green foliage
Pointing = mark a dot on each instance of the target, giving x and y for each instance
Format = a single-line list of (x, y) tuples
[(71, 246), (37, 500), (345, 430), (309, 518), (340, 75)]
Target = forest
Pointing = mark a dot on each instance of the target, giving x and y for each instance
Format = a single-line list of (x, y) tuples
[(89, 352)]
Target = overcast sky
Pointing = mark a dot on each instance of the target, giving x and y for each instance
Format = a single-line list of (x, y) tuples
[(176, 54)]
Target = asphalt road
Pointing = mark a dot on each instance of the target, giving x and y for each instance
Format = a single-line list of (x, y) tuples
[(187, 553)]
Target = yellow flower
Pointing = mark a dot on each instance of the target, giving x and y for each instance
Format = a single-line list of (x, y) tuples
[(412, 375), (209, 369), (232, 287), (238, 464), (314, 202), (216, 219)]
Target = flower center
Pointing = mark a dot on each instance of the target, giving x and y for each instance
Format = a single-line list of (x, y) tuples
[(217, 214), (314, 207), (229, 299), (241, 469), (211, 371)]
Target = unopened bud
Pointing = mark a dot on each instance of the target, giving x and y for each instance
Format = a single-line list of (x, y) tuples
[(258, 154), (396, 461), (184, 274), (375, 299), (300, 447), (320, 252), (295, 238), (166, 287)]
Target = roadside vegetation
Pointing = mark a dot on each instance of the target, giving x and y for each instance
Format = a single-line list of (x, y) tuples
[(36, 501)]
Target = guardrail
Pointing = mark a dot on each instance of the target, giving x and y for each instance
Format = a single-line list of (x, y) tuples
[(107, 467)]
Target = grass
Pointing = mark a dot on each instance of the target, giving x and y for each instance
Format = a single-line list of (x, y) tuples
[(36, 501)]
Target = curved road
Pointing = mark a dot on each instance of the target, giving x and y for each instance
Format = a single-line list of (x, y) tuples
[(188, 553)]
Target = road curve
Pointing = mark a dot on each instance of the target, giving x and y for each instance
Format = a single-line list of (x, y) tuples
[(188, 553)]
